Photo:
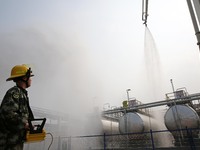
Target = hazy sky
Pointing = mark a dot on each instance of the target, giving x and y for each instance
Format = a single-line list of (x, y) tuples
[(86, 53)]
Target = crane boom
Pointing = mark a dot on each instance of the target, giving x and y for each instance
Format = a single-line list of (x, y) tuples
[(194, 8), (144, 11)]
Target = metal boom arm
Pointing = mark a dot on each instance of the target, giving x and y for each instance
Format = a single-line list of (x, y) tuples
[(145, 11), (195, 15)]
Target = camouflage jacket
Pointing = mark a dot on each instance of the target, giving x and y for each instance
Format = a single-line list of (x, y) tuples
[(14, 113)]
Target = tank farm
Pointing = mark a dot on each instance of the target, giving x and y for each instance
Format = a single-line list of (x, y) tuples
[(142, 128), (133, 125)]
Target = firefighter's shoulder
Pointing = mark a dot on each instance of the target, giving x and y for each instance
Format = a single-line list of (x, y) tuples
[(15, 92)]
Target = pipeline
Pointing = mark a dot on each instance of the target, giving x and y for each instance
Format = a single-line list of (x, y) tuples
[(144, 11)]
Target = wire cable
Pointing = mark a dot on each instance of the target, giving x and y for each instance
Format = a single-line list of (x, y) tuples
[(51, 140)]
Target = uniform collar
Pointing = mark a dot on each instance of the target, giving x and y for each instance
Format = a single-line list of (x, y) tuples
[(24, 90)]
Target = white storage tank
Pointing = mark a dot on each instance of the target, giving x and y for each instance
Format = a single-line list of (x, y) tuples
[(110, 127), (133, 123), (180, 117)]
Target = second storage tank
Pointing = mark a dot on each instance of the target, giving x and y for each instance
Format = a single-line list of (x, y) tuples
[(181, 116), (183, 123)]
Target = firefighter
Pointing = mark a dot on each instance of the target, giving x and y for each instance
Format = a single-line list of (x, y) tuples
[(15, 110)]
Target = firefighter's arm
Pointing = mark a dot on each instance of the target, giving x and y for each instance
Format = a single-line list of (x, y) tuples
[(11, 112)]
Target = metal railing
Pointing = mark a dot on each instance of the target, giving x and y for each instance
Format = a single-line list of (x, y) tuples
[(162, 139)]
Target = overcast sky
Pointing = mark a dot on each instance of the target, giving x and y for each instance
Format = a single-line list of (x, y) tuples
[(86, 53)]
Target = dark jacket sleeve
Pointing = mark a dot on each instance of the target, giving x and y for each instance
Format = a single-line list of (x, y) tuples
[(10, 111)]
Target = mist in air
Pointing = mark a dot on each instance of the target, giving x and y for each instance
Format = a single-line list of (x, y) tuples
[(63, 78), (80, 59)]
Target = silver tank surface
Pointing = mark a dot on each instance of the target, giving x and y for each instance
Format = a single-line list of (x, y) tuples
[(131, 123), (110, 127), (180, 117)]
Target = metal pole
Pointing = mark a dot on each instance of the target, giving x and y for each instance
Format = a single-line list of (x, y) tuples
[(104, 141), (144, 11), (152, 140), (178, 118), (126, 119), (195, 18), (126, 127), (172, 85), (128, 98), (197, 9)]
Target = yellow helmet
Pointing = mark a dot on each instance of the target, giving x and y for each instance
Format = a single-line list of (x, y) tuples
[(20, 71)]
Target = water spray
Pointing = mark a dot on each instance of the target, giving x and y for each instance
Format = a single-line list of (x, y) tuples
[(145, 11)]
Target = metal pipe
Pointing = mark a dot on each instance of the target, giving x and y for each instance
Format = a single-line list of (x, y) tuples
[(128, 98), (197, 9), (178, 125), (158, 103), (177, 117), (172, 85), (194, 18), (144, 11)]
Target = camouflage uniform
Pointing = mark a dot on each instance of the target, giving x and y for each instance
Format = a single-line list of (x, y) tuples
[(14, 113)]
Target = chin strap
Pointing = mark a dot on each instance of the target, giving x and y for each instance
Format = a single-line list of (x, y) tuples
[(28, 75)]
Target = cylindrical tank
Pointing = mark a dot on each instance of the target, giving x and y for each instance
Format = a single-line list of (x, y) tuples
[(180, 117), (110, 127), (133, 123)]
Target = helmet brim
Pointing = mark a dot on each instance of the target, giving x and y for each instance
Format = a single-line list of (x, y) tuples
[(14, 77)]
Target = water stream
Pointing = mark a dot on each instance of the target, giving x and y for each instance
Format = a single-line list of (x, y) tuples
[(154, 76), (153, 65)]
